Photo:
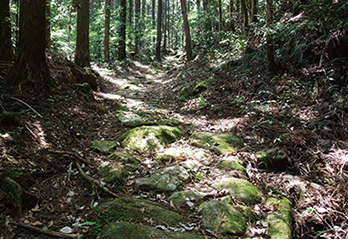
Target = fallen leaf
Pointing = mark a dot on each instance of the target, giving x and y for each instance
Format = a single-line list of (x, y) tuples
[(66, 229)]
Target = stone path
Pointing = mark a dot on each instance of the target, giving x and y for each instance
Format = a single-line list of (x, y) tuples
[(192, 173)]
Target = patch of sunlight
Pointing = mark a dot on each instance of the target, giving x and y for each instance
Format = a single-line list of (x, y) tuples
[(38, 133), (110, 96)]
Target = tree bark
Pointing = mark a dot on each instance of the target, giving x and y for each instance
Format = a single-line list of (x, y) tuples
[(269, 38), (254, 11), (122, 33), (137, 27), (159, 30), (107, 31), (245, 13), (6, 48), (82, 57), (30, 65), (187, 31)]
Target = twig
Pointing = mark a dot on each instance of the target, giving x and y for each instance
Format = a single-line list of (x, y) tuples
[(75, 155), (95, 181), (45, 231), (26, 104)]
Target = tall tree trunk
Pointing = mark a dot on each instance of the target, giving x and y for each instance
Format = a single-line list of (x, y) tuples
[(254, 11), (48, 28), (187, 31), (143, 8), (168, 23), (165, 25), (30, 62), (122, 34), (269, 38), (220, 17), (245, 13), (107, 31), (6, 48), (159, 30), (82, 57), (137, 27)]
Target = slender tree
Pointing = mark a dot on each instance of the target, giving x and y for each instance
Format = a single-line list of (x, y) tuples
[(159, 30), (107, 31), (165, 24), (30, 62), (187, 31), (82, 57), (269, 38), (48, 28), (6, 48), (245, 13), (122, 33), (137, 26), (254, 11)]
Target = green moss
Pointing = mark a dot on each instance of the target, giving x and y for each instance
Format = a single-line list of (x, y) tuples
[(124, 157), (148, 138), (240, 189), (118, 230), (280, 222), (114, 173), (103, 146), (220, 142), (223, 218), (180, 198), (202, 86), (232, 165), (252, 216), (137, 210)]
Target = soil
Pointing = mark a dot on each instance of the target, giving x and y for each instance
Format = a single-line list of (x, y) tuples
[(41, 144)]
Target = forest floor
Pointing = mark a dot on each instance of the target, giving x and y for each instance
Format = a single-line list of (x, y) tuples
[(41, 147)]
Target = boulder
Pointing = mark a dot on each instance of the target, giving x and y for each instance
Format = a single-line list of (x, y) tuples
[(240, 189), (182, 197), (124, 157), (170, 154), (149, 138), (131, 209), (116, 173), (164, 180), (223, 218), (103, 146), (280, 221), (221, 143), (119, 230)]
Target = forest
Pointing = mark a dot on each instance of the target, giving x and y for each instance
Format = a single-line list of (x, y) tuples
[(173, 119)]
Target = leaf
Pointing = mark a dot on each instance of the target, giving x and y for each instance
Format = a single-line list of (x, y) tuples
[(66, 229)]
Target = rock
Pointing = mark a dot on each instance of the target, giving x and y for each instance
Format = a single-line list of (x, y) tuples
[(274, 159), (164, 180), (170, 154), (221, 143), (280, 221), (117, 230), (223, 218), (148, 138), (232, 166), (131, 209), (116, 173), (124, 157), (192, 165), (103, 146), (182, 197), (240, 189), (130, 119), (252, 216), (201, 86)]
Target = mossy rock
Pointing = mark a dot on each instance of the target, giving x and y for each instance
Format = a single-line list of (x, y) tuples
[(114, 173), (124, 157), (169, 154), (192, 165), (180, 198), (130, 119), (280, 222), (164, 180), (251, 215), (223, 218), (202, 86), (149, 138), (103, 146), (221, 143), (274, 159), (131, 209), (117, 230), (240, 189), (232, 165)]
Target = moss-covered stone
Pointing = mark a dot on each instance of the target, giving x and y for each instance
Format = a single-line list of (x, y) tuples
[(280, 221), (103, 146), (274, 159), (251, 215), (130, 119), (240, 189), (136, 210), (223, 218), (114, 173), (181, 197), (124, 157), (169, 154), (202, 86), (164, 180), (222, 143), (231, 165), (117, 230), (148, 138)]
